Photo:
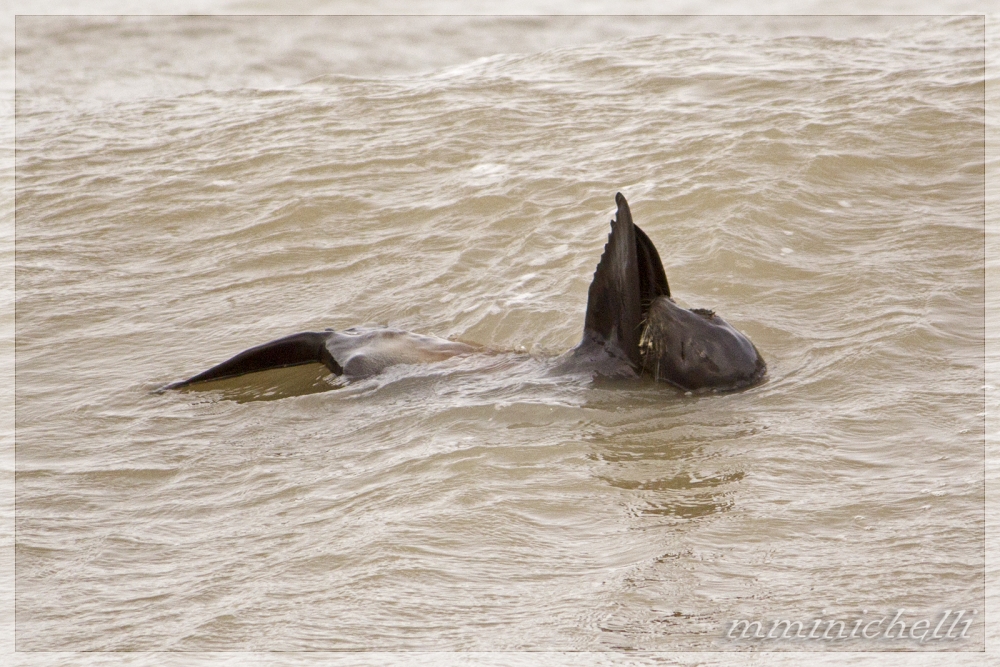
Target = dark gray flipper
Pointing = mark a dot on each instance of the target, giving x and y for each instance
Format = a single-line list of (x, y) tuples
[(614, 304), (652, 277), (297, 349)]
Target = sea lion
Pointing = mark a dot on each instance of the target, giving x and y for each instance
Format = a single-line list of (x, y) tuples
[(632, 328)]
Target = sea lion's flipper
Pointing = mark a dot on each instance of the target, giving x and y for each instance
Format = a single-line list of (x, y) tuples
[(652, 277), (614, 302), (301, 348)]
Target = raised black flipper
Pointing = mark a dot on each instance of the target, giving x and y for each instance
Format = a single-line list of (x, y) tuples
[(652, 277), (297, 349), (614, 301)]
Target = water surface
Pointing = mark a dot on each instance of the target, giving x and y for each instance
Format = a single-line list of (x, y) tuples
[(824, 194)]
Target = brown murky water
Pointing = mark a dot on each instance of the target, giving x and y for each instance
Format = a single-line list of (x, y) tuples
[(187, 188)]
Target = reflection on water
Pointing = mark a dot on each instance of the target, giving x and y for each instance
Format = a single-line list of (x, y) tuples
[(673, 497), (271, 385)]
